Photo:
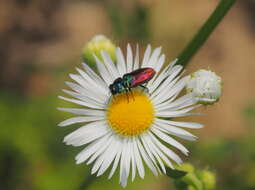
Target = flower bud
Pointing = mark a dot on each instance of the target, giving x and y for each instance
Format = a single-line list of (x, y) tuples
[(208, 179), (190, 179), (205, 85), (187, 167), (95, 46)]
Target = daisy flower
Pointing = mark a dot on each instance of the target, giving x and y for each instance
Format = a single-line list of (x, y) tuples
[(129, 135)]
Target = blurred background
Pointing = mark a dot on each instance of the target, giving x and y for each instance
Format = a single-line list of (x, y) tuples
[(41, 42)]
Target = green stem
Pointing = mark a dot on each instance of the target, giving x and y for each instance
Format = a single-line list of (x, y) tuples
[(205, 31)]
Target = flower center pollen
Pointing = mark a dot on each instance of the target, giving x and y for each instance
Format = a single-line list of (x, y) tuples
[(132, 115)]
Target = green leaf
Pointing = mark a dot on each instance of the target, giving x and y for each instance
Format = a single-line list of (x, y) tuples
[(176, 174)]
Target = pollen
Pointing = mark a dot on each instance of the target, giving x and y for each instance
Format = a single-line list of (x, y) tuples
[(130, 114)]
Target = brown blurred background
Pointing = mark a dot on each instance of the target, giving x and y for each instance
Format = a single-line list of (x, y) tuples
[(41, 41)]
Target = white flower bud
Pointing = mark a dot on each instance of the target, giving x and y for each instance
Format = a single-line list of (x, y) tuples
[(95, 46), (205, 85)]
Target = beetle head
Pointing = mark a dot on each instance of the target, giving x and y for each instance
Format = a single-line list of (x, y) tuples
[(113, 88)]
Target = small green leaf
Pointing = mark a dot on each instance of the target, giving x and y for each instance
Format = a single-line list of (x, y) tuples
[(175, 173)]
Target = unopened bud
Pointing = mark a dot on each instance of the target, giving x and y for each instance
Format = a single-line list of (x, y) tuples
[(205, 85), (208, 179), (95, 46), (187, 167)]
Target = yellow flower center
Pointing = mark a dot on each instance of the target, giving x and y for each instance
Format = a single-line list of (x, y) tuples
[(132, 115)]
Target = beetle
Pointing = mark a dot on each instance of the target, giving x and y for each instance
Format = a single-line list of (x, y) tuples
[(131, 80)]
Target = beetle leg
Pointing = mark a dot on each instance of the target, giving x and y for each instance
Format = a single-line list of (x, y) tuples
[(127, 94), (144, 88), (131, 93)]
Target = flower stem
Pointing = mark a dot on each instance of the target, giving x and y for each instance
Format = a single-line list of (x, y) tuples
[(205, 31)]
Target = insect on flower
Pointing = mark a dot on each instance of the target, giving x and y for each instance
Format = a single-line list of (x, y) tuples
[(131, 80), (127, 137)]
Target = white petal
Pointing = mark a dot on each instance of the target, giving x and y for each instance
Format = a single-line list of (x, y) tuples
[(129, 59), (85, 98), (178, 113), (179, 106), (171, 91), (169, 79), (136, 62), (128, 157), (87, 91), (157, 68), (169, 70), (157, 150), (91, 149), (82, 103), (110, 65), (116, 161), (109, 156), (89, 87), (183, 124), (123, 164), (161, 77), (174, 130), (154, 57), (80, 120), (165, 150), (149, 153), (152, 154), (96, 84), (124, 178), (99, 151), (176, 103), (146, 56), (104, 72), (185, 137), (90, 138), (132, 155), (162, 92), (95, 77), (146, 158), (106, 158), (83, 111), (138, 159), (121, 65), (169, 140), (160, 63), (87, 133)]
